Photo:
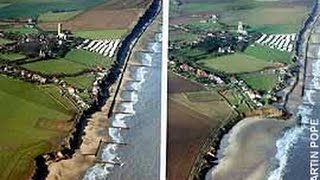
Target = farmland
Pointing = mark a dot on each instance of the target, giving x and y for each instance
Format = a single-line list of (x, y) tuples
[(35, 119), (235, 63), (11, 56), (194, 110), (262, 82), (55, 66), (268, 54), (34, 8), (57, 16), (262, 16)]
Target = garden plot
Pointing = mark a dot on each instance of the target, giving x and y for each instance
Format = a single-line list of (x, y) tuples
[(103, 47), (282, 42)]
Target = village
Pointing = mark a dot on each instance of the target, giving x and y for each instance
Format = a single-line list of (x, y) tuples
[(223, 43), (45, 46)]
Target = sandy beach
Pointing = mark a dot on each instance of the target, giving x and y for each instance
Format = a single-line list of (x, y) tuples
[(251, 144)]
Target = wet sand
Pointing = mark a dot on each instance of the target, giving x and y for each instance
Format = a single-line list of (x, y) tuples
[(251, 144)]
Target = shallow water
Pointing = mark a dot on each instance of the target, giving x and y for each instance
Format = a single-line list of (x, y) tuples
[(136, 125)]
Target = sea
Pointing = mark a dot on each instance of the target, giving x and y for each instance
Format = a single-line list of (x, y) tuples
[(134, 148), (298, 149)]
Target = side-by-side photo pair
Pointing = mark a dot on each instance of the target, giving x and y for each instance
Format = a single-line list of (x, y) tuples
[(159, 89)]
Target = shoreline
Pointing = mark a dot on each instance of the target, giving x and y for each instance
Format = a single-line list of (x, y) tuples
[(292, 99), (93, 124)]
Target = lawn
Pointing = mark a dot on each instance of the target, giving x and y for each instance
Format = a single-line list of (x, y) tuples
[(11, 56), (57, 16), (179, 35), (235, 63), (56, 66), (32, 118), (268, 54), (261, 82), (34, 8), (102, 34), (81, 82), (89, 59)]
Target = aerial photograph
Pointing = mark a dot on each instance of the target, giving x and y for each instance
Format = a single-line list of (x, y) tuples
[(243, 90), (80, 89)]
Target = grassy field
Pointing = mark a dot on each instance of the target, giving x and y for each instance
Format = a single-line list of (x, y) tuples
[(235, 63), (236, 99), (102, 34), (11, 56), (261, 82), (57, 16), (179, 35), (34, 8), (268, 54), (55, 66), (89, 59), (81, 82), (32, 119)]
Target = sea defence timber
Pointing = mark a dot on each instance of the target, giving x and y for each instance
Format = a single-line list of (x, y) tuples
[(84, 143)]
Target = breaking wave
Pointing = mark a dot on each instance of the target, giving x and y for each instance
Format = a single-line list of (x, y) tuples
[(284, 146)]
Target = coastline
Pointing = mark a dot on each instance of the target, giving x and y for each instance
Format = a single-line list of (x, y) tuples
[(257, 167), (95, 129)]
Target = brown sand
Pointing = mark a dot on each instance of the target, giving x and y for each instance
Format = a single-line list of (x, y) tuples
[(252, 142)]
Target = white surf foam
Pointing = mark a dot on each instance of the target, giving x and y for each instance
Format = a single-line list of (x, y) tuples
[(115, 135), (126, 107), (146, 59), (120, 120), (284, 146), (98, 172)]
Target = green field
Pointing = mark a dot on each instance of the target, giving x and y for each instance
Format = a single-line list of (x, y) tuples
[(57, 16), (34, 8), (236, 99), (235, 63), (261, 82), (32, 119), (268, 54), (178, 35), (55, 66), (89, 59), (81, 82), (11, 56), (102, 34)]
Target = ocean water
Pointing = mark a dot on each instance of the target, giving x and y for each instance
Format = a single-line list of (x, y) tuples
[(293, 148), (134, 150)]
